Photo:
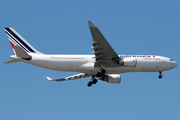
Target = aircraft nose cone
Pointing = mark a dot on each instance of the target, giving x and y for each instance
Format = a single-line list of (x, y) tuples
[(174, 64)]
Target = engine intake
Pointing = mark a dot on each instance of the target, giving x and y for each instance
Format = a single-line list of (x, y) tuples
[(113, 78)]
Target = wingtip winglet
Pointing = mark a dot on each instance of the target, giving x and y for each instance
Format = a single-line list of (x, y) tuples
[(91, 24), (49, 78)]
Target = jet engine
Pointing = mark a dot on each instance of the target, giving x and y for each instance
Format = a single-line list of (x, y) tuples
[(112, 78), (128, 62)]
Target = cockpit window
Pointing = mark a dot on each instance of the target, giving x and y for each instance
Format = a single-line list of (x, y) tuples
[(171, 59)]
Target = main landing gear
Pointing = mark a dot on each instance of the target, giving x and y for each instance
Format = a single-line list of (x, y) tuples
[(94, 80), (160, 76)]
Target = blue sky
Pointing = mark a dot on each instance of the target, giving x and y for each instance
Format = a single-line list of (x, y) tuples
[(60, 27)]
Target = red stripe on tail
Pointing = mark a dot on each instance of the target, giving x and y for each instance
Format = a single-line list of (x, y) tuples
[(12, 44)]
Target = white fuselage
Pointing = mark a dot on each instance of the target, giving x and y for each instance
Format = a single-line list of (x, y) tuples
[(85, 63)]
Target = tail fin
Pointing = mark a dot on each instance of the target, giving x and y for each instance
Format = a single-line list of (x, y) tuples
[(17, 40)]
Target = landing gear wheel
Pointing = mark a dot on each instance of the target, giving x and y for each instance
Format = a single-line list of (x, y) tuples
[(94, 81), (160, 76), (103, 71), (99, 74), (90, 83)]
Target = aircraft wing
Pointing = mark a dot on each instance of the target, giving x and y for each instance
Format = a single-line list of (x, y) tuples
[(104, 53), (77, 76)]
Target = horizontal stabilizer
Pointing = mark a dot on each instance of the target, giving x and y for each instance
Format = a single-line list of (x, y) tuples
[(77, 76), (21, 53), (12, 61)]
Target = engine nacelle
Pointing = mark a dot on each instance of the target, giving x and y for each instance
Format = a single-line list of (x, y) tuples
[(112, 78), (128, 62)]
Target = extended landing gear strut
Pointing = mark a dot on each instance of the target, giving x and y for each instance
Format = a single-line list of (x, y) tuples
[(94, 80), (160, 76), (101, 73)]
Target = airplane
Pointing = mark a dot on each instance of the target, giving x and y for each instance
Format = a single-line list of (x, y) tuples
[(105, 64)]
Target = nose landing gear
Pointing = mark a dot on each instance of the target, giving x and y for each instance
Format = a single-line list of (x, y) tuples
[(160, 76)]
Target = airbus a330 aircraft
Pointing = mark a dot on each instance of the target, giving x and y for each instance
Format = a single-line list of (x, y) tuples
[(104, 65)]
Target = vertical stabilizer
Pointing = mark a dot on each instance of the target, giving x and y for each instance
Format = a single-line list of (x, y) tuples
[(17, 40)]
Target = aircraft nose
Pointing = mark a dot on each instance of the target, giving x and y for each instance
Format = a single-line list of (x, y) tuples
[(174, 64)]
